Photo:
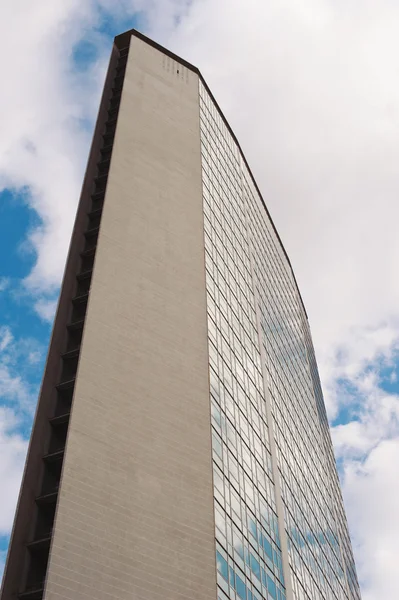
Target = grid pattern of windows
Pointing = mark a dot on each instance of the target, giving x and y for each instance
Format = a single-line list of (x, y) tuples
[(260, 352), (247, 537)]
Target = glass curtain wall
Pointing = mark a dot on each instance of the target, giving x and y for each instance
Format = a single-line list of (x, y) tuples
[(268, 414)]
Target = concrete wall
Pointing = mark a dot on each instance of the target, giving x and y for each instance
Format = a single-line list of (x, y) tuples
[(135, 513)]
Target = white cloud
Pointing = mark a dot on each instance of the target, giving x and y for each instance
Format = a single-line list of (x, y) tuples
[(6, 337), (43, 145), (14, 389), (34, 357), (2, 561), (46, 309), (357, 360), (371, 490), (18, 386), (12, 458), (19, 376), (368, 446), (4, 283), (377, 419)]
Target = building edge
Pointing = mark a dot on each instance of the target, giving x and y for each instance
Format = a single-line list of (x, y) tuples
[(14, 574), (123, 40)]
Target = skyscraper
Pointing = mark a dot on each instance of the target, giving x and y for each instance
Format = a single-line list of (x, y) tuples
[(181, 447)]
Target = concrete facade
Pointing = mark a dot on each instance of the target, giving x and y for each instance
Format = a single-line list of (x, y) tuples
[(180, 347), (135, 508)]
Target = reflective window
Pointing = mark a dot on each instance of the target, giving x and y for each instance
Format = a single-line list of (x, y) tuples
[(264, 382)]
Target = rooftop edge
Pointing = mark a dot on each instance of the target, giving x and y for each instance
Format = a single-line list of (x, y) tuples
[(122, 40)]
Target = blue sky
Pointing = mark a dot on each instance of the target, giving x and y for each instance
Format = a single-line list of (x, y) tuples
[(309, 91), (25, 331)]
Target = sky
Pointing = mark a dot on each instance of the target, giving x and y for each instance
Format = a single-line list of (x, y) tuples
[(311, 89)]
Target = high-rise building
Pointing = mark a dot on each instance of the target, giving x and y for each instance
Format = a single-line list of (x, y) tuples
[(181, 447)]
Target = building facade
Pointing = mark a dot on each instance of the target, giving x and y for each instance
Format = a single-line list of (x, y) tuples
[(180, 447)]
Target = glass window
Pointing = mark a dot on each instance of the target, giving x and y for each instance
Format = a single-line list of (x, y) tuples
[(243, 258), (255, 567), (222, 566), (241, 588), (271, 587), (267, 547)]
